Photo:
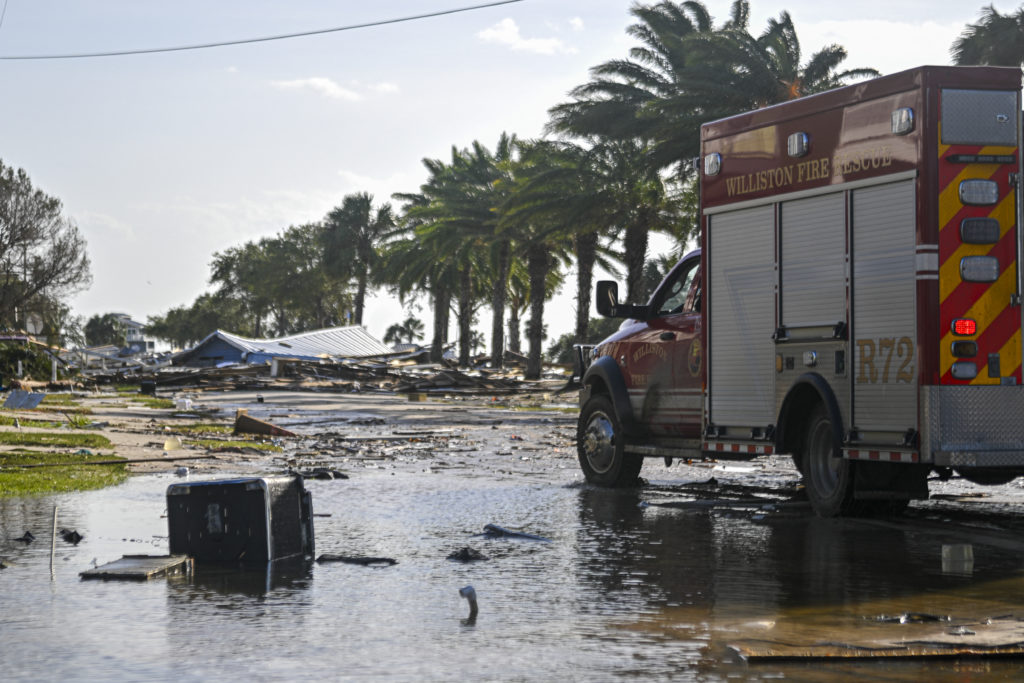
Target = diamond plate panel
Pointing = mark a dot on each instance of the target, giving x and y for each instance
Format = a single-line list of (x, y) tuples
[(973, 426), (979, 117)]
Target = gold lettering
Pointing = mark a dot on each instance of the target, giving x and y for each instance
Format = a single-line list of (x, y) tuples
[(866, 372)]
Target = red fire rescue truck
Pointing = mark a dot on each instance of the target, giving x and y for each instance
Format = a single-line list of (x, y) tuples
[(856, 301)]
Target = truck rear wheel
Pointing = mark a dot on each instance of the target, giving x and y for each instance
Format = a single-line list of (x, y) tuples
[(828, 479), (600, 447)]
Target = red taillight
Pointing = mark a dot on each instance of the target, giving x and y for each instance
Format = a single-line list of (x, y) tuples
[(964, 326)]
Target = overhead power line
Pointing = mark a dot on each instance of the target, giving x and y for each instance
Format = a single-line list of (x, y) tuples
[(245, 41)]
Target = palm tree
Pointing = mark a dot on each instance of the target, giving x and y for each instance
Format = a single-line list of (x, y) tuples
[(354, 232), (686, 72), (457, 217), (409, 329), (997, 40)]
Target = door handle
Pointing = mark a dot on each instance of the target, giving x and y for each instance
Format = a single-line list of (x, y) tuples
[(667, 336)]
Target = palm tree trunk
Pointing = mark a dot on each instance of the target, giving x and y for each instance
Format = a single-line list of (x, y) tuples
[(441, 300), (498, 296), (586, 255), (465, 315), (360, 296), (513, 328), (636, 253), (537, 269)]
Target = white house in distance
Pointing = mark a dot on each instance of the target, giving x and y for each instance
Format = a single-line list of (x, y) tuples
[(134, 338)]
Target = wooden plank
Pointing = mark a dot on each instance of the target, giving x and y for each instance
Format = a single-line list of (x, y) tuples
[(995, 637), (141, 567)]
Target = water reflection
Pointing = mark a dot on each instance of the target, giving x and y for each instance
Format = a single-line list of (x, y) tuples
[(621, 591), (712, 578)]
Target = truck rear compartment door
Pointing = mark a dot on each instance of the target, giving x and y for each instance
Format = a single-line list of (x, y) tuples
[(741, 315)]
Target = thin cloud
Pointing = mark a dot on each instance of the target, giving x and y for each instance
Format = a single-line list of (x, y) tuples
[(323, 86), (576, 23), (384, 88), (506, 32)]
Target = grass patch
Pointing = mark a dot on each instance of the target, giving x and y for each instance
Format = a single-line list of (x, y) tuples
[(152, 402), (70, 409), (8, 421), (127, 389), (218, 443), (60, 400), (67, 473), (65, 439)]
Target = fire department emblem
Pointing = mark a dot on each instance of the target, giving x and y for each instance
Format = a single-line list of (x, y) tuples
[(695, 358)]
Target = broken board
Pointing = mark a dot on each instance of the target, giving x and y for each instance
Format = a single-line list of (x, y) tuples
[(997, 637), (141, 567)]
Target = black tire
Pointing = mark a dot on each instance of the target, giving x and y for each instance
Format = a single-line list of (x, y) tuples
[(828, 479), (600, 447)]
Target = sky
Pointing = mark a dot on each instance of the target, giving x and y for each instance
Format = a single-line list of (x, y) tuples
[(163, 159)]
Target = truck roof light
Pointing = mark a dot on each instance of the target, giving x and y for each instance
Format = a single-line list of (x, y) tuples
[(979, 230), (712, 163), (965, 327), (964, 349), (963, 369), (979, 269), (902, 121), (798, 144), (979, 192)]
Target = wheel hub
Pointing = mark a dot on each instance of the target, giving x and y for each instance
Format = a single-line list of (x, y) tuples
[(599, 442)]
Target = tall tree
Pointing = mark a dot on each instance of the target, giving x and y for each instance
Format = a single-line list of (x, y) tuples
[(104, 329), (43, 257), (456, 216), (354, 233), (996, 39), (685, 71)]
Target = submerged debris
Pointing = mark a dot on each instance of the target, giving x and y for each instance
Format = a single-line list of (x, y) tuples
[(911, 618), (322, 473), (470, 594), (467, 554), (71, 536), (495, 531), (27, 537), (365, 561)]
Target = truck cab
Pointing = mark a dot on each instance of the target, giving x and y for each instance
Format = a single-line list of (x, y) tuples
[(644, 384)]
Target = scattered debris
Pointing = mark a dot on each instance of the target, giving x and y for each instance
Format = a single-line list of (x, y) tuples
[(365, 561), (141, 567), (911, 618), (245, 424), (322, 473), (470, 594), (19, 399), (495, 531), (181, 471), (467, 554), (27, 537), (71, 536)]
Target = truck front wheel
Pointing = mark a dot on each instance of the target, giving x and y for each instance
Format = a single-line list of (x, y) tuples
[(828, 479), (600, 447)]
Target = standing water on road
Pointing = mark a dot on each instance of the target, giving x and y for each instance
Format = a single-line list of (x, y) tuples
[(622, 590)]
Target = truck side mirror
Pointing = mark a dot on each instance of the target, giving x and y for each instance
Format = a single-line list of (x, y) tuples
[(608, 305), (607, 298)]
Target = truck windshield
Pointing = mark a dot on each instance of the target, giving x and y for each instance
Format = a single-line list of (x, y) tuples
[(678, 294)]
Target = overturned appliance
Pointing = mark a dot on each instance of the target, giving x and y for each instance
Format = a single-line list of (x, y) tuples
[(241, 521)]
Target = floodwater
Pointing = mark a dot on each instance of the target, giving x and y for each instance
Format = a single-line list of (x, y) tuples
[(622, 590)]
